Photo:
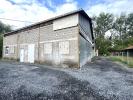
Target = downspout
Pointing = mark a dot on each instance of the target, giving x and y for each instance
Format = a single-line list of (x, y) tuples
[(78, 41), (39, 45), (78, 47), (18, 48)]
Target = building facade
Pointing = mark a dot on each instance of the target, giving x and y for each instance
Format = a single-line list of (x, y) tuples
[(63, 40)]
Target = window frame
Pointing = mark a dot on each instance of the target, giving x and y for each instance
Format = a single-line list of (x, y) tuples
[(64, 47), (47, 48), (6, 52)]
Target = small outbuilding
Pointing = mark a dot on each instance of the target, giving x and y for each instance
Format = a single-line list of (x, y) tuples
[(66, 39)]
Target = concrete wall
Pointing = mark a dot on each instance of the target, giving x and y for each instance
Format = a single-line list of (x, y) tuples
[(48, 35), (48, 39), (10, 41), (65, 22), (41, 36)]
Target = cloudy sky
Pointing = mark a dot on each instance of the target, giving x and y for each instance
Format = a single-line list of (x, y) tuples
[(37, 10)]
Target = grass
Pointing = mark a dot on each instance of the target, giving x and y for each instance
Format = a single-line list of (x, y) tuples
[(128, 61)]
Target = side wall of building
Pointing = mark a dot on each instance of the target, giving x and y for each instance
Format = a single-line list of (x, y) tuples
[(68, 36), (85, 39), (53, 46), (10, 42)]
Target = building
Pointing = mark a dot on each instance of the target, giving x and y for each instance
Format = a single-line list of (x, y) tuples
[(63, 40), (125, 55)]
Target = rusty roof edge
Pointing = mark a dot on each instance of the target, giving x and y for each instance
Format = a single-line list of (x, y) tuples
[(50, 19)]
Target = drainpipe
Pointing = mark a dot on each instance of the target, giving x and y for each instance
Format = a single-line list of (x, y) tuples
[(39, 45), (127, 57), (18, 48), (78, 46)]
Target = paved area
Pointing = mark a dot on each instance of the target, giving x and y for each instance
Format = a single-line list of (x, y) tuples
[(99, 80)]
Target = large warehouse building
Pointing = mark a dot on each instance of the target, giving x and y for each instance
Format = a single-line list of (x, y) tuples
[(63, 40)]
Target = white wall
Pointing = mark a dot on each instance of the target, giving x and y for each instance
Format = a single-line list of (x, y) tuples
[(65, 22)]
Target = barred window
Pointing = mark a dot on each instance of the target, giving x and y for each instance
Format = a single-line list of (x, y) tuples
[(6, 50)]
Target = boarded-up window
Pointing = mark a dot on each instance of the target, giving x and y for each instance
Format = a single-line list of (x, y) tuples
[(12, 49), (65, 22), (64, 47), (6, 50), (47, 48)]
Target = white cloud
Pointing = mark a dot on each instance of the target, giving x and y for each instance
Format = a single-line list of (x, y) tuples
[(22, 1), (67, 7), (69, 0), (34, 12), (111, 6)]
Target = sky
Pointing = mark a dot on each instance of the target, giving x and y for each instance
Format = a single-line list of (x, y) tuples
[(32, 11)]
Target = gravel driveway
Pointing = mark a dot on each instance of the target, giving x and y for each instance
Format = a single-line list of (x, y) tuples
[(99, 80)]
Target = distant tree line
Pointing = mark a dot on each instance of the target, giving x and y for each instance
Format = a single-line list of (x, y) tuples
[(3, 29), (121, 29)]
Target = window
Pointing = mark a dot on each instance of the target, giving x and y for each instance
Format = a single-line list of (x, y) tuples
[(12, 50), (64, 47), (6, 50), (47, 48)]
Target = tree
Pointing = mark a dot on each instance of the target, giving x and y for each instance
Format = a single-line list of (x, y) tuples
[(130, 24), (104, 45), (120, 26), (102, 24), (124, 27), (3, 29)]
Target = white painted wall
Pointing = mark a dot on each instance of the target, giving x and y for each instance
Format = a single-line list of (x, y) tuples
[(65, 22), (21, 55)]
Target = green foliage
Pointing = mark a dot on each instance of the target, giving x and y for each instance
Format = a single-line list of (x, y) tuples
[(121, 30), (3, 29), (123, 60), (130, 24), (103, 45), (103, 23)]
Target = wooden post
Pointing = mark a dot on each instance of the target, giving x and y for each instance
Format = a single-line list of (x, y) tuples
[(127, 57), (122, 56)]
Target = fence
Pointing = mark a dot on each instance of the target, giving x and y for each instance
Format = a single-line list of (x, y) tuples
[(124, 56)]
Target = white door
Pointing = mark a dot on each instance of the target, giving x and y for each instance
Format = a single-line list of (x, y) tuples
[(31, 50), (21, 55)]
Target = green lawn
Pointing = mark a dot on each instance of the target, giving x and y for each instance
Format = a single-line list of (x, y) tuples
[(125, 60)]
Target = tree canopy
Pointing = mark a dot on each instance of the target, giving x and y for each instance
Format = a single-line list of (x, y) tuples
[(3, 29), (121, 29)]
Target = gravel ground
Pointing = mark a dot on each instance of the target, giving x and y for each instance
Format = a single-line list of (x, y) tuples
[(110, 80), (99, 80)]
